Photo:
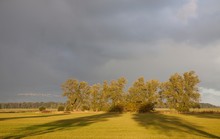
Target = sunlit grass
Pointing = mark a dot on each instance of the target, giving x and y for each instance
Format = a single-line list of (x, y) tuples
[(109, 125)]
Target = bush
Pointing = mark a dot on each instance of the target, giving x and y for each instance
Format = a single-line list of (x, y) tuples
[(196, 105), (61, 108), (69, 108), (147, 107), (116, 108), (85, 108), (182, 109), (42, 108)]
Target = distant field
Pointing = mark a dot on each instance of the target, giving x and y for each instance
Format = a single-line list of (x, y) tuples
[(23, 110), (206, 110), (201, 110), (109, 125)]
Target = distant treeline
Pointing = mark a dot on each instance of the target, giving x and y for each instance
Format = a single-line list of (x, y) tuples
[(30, 105)]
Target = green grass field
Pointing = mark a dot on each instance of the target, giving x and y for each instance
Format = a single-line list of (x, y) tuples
[(108, 125)]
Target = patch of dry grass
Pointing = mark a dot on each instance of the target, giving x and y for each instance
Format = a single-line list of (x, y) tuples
[(79, 125)]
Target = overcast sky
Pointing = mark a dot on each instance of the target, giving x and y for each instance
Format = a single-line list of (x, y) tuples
[(45, 42)]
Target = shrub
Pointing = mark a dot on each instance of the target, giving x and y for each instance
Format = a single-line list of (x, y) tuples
[(146, 107), (196, 105), (61, 108), (85, 108), (116, 108), (42, 108), (69, 108), (182, 109)]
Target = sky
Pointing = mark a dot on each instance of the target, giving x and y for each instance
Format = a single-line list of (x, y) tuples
[(45, 42)]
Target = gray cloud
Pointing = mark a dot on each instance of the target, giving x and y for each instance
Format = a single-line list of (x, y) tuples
[(44, 42)]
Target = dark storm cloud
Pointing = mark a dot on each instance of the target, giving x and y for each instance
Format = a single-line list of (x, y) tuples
[(44, 42)]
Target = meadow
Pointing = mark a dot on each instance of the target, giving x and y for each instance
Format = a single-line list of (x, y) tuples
[(102, 125)]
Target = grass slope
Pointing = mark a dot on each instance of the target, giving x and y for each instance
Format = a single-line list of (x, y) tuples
[(109, 125)]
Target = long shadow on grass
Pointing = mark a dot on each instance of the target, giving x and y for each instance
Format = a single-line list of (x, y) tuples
[(65, 124), (165, 124), (39, 116)]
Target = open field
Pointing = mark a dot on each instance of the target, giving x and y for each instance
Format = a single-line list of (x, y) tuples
[(23, 110), (109, 125)]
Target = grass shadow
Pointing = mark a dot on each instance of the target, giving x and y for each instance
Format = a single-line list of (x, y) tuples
[(23, 117), (166, 124), (65, 124)]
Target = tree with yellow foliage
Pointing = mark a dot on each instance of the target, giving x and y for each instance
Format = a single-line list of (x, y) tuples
[(181, 92), (143, 94), (77, 93)]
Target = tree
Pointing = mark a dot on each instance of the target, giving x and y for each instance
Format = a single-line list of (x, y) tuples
[(116, 91), (142, 93), (106, 96), (77, 93), (136, 95), (97, 97), (181, 92)]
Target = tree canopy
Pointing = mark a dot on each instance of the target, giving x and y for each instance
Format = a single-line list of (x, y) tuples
[(179, 92)]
